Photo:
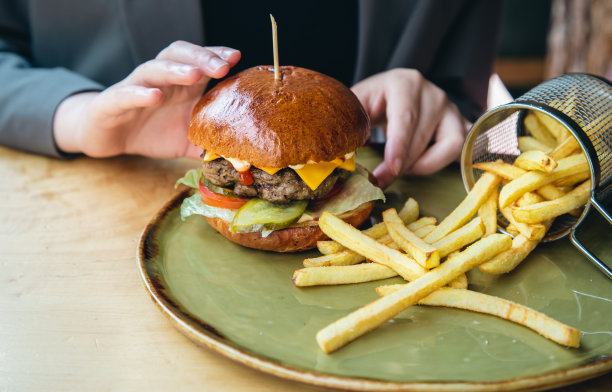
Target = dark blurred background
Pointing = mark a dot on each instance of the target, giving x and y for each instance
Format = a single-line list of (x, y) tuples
[(546, 38)]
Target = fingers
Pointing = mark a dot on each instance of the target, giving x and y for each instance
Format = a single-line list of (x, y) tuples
[(118, 99), (184, 64), (403, 112), (432, 109), (413, 114), (372, 97), (215, 61), (192, 151), (415, 111), (383, 175), (450, 134), (449, 137), (161, 73)]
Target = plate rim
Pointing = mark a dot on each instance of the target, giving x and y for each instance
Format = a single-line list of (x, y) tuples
[(205, 335)]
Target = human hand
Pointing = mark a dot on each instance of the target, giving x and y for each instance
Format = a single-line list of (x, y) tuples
[(413, 112), (148, 112)]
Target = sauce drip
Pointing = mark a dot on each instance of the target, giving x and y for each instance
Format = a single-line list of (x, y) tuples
[(245, 177)]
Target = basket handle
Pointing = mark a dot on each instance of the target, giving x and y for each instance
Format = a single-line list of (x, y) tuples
[(592, 258)]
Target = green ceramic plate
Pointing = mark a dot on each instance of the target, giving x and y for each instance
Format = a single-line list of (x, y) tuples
[(242, 304)]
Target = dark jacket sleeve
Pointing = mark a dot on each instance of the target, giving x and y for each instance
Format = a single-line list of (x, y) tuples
[(29, 95), (452, 43)]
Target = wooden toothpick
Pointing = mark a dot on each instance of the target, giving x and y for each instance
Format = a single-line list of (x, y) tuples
[(277, 75)]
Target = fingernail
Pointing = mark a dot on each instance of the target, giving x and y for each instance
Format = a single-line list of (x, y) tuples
[(383, 175), (397, 166), (228, 52), (216, 63)]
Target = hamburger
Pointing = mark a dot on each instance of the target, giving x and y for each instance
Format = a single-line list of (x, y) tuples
[(277, 153)]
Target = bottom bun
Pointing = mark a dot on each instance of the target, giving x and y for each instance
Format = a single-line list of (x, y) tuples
[(299, 237)]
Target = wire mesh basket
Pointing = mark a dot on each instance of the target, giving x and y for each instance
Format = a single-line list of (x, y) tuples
[(582, 104)]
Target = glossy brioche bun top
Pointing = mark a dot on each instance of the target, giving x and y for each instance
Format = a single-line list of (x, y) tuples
[(304, 117)]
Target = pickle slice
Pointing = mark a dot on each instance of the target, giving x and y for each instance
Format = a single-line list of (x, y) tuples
[(218, 189), (260, 215)]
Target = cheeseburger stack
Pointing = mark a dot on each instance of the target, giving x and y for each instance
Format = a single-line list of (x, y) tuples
[(277, 153)]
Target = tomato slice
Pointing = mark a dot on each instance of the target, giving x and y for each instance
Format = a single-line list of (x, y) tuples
[(218, 200), (335, 189)]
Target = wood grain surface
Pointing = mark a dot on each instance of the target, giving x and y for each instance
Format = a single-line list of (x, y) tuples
[(74, 314)]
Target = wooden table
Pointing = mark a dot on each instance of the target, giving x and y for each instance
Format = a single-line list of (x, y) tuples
[(74, 313)]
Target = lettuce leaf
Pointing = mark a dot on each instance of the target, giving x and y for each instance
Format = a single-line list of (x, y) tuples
[(193, 206), (190, 178), (355, 191)]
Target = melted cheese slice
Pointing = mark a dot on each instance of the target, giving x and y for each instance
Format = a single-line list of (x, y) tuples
[(313, 174), (210, 156), (270, 170)]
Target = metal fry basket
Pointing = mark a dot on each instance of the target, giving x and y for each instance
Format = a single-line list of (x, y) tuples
[(582, 104)]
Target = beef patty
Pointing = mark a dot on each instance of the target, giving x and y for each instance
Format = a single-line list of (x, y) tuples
[(282, 187)]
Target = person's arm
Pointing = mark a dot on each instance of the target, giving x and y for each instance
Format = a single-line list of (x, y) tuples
[(29, 96)]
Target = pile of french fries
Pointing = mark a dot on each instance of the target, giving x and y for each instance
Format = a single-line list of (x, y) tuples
[(550, 178)]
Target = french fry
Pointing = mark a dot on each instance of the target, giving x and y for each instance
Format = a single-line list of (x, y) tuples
[(554, 126), (534, 231), (528, 199), (511, 258), (529, 143), (453, 254), (421, 222), (460, 282), (535, 160), (376, 313), (538, 130), (533, 180), (512, 230), (488, 213), (461, 237), (499, 307), (329, 247), (376, 231), (423, 231), (467, 208), (344, 257), (565, 148), (573, 179), (358, 242), (424, 254), (549, 209), (510, 172), (385, 239), (388, 241), (551, 192), (501, 168), (409, 213), (366, 272), (389, 289)]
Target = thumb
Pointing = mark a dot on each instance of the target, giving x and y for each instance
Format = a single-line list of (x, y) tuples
[(192, 151)]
